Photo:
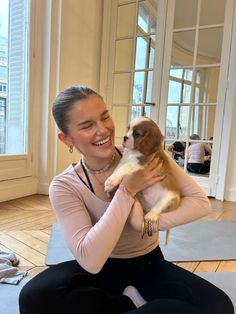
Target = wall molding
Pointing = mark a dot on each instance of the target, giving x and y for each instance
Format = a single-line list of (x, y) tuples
[(43, 188), (230, 195), (17, 188)]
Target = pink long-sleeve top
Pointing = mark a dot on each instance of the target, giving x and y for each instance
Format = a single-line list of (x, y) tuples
[(95, 229)]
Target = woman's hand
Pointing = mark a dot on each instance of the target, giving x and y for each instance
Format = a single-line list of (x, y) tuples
[(145, 177)]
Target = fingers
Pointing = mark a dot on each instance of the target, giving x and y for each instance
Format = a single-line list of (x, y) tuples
[(156, 179)]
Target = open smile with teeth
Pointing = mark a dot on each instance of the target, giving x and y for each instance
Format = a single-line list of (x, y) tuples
[(106, 140)]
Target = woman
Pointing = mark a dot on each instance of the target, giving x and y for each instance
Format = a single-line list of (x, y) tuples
[(115, 271), (196, 153), (177, 150)]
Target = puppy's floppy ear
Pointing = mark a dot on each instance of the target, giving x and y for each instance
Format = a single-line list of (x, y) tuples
[(152, 141)]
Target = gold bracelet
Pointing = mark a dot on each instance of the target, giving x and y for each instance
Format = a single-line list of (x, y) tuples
[(147, 227)]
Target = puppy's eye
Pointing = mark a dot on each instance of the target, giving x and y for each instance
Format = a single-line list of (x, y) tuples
[(137, 133)]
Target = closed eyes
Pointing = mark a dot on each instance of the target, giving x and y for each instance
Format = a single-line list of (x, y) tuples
[(105, 118), (86, 126), (89, 124)]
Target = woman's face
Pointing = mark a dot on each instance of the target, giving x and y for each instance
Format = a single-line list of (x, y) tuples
[(90, 128)]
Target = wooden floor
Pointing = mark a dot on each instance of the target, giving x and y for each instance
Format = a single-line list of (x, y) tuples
[(25, 226)]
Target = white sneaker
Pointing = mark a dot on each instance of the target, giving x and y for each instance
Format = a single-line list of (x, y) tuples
[(134, 295)]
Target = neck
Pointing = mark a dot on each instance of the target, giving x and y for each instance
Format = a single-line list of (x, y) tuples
[(99, 170)]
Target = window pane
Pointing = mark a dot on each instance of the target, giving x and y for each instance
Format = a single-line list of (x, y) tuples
[(151, 57), (186, 98), (147, 111), (207, 81), (153, 24), (171, 121), (145, 50), (198, 78), (119, 113), (202, 121), (209, 46), (183, 122), (121, 93), (141, 53), (195, 120), (136, 112), (176, 73), (126, 20), (123, 55), (149, 86), (138, 88), (185, 13), (197, 95), (212, 13), (14, 74), (3, 71), (174, 95), (183, 48), (188, 74), (143, 17), (2, 124)]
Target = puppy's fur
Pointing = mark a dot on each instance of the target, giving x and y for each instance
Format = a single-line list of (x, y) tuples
[(142, 142)]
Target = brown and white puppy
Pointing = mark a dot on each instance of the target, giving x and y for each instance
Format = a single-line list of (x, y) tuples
[(142, 141)]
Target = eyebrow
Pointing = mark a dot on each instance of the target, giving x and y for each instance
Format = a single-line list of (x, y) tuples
[(89, 121)]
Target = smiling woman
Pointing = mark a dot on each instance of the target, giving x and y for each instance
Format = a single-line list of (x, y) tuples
[(91, 129), (115, 270)]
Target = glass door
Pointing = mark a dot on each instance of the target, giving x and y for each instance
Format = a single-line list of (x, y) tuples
[(195, 67), (132, 64), (169, 61)]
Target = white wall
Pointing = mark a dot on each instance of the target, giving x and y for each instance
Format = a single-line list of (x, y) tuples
[(80, 54), (230, 187), (74, 48)]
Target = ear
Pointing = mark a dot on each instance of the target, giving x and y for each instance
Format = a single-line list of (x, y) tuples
[(152, 141), (65, 138)]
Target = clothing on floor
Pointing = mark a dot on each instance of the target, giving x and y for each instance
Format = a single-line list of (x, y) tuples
[(9, 273)]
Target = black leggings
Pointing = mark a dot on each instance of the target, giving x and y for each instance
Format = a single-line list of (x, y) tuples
[(169, 289), (198, 168)]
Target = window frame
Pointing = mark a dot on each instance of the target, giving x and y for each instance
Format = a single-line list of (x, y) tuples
[(18, 173)]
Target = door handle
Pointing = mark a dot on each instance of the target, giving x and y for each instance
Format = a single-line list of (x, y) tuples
[(150, 103)]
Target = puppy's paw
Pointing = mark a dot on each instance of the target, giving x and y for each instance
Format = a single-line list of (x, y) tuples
[(151, 216), (110, 184)]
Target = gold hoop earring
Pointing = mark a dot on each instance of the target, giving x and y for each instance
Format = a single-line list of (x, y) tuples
[(71, 149)]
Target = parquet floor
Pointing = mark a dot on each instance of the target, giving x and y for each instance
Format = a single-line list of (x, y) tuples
[(25, 226)]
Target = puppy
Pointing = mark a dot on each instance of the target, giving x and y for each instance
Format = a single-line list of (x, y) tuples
[(142, 142)]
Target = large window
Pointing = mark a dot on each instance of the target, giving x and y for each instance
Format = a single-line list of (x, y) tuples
[(194, 71), (144, 60), (179, 97), (14, 17), (132, 72)]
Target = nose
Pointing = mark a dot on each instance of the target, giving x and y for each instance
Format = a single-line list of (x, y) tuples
[(101, 128), (125, 138)]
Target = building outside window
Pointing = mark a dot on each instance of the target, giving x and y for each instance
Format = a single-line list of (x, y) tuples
[(13, 76), (3, 89)]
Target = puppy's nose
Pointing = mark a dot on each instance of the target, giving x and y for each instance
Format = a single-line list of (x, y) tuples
[(125, 138)]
